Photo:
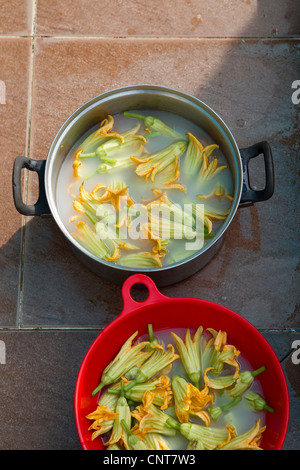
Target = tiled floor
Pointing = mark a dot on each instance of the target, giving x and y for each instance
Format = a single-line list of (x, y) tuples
[(241, 57)]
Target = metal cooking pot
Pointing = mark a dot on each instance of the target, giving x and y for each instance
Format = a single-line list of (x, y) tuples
[(146, 97)]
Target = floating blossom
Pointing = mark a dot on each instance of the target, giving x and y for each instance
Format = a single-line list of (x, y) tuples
[(219, 191), (128, 357), (97, 136), (210, 438), (216, 411), (167, 220), (77, 163), (132, 145), (220, 382), (244, 381), (155, 441), (257, 402), (90, 241), (155, 124), (246, 441), (113, 193), (189, 351), (189, 400), (150, 165), (134, 442), (114, 244), (195, 155), (103, 420), (119, 435), (152, 419), (158, 360), (160, 387), (223, 353), (143, 259)]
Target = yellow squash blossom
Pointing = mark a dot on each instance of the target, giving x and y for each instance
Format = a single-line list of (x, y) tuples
[(152, 419), (103, 420), (156, 124), (210, 438), (246, 441), (128, 357), (118, 434), (189, 351), (151, 165), (160, 387), (157, 361), (244, 381), (195, 154), (189, 400), (220, 382)]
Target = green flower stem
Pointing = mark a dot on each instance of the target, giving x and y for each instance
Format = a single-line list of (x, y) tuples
[(173, 424), (254, 373), (231, 404)]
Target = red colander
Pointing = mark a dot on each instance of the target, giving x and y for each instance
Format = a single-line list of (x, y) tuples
[(179, 312)]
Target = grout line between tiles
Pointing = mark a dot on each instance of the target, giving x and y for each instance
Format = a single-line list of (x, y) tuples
[(68, 37), (25, 184), (95, 328)]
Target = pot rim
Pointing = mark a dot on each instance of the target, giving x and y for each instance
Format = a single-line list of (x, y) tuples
[(90, 104)]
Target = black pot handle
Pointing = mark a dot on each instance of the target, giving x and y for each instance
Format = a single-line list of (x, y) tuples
[(250, 195), (41, 207)]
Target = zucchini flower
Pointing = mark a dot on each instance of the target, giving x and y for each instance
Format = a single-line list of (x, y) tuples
[(156, 362), (97, 137), (132, 145), (161, 227), (244, 381), (220, 382), (103, 420), (189, 400), (112, 241), (246, 441), (223, 353), (152, 419), (128, 357), (195, 154), (167, 179), (155, 124), (195, 444), (218, 191), (257, 402), (155, 441), (171, 210), (144, 259), (77, 163), (151, 165), (216, 411), (114, 447), (209, 168), (113, 193), (134, 442), (160, 387), (210, 438), (190, 355), (90, 240), (118, 434), (111, 164)]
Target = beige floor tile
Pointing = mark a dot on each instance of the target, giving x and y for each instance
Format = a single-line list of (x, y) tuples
[(202, 18), (16, 17), (14, 82)]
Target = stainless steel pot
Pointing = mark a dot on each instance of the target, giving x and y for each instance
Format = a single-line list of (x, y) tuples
[(145, 97)]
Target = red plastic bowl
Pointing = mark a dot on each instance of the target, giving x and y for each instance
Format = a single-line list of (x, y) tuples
[(180, 312)]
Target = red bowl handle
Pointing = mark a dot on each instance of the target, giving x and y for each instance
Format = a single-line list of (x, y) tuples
[(154, 295)]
